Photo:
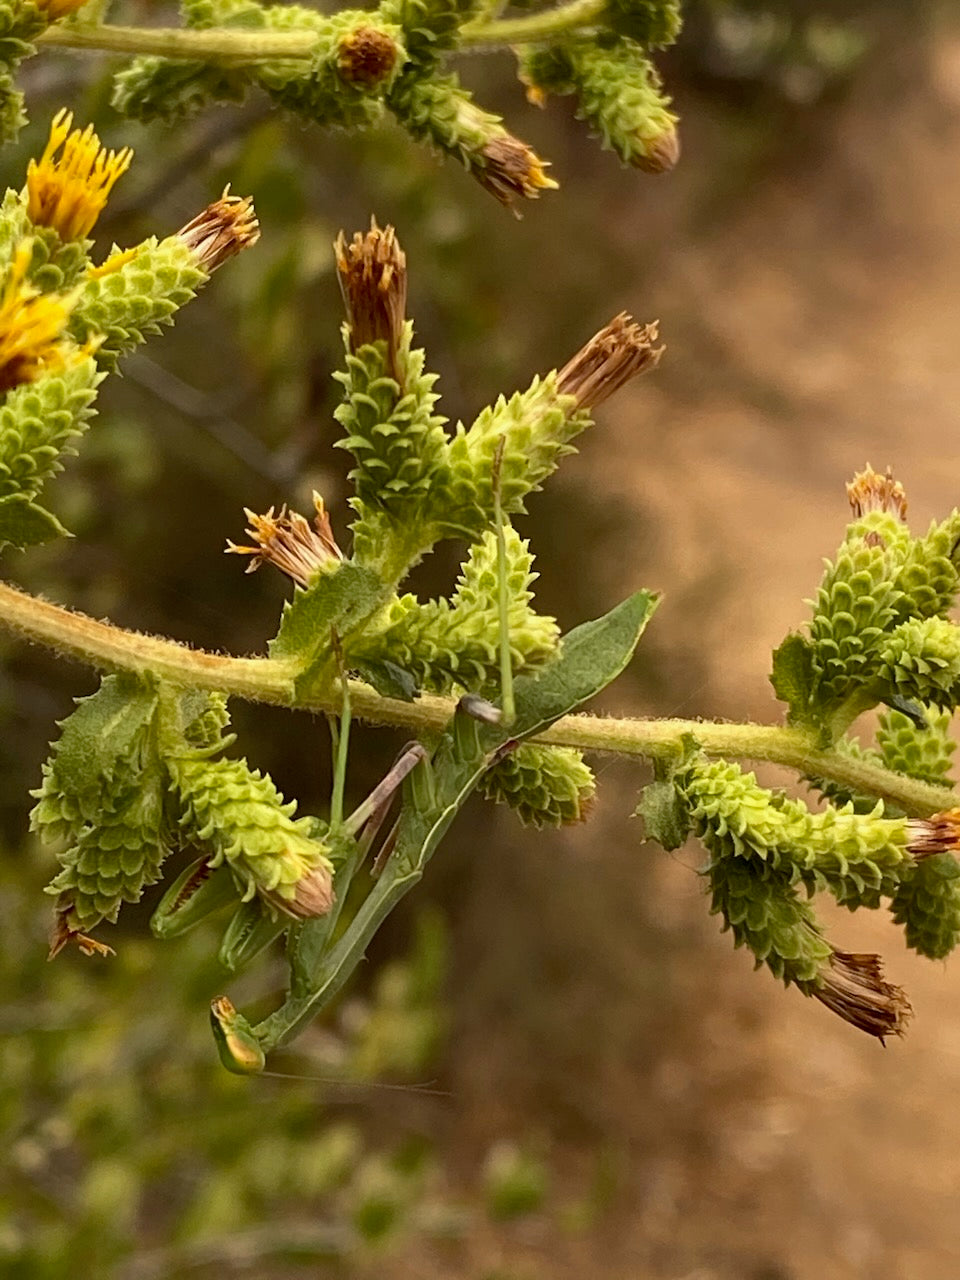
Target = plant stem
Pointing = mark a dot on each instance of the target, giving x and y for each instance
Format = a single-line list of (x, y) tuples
[(210, 45), (110, 648), (533, 26)]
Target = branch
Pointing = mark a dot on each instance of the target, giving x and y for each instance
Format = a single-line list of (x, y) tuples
[(231, 46), (211, 45), (101, 645)]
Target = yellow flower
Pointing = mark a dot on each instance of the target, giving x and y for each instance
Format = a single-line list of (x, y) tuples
[(31, 325), (68, 193)]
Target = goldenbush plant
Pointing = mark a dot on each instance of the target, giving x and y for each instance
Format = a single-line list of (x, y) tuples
[(484, 683)]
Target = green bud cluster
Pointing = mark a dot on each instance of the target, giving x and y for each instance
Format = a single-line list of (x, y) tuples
[(919, 752), (857, 857), (927, 904), (448, 645), (430, 27), (878, 631), (103, 796), (618, 93), (117, 852), (39, 423), (414, 485), (398, 442), (126, 305), (536, 428), (920, 660), (758, 904), (545, 786), (238, 814), (20, 23)]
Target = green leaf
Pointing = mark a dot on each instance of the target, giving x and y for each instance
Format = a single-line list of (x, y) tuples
[(106, 728), (792, 674), (339, 601), (389, 680), (665, 816), (26, 524), (591, 657)]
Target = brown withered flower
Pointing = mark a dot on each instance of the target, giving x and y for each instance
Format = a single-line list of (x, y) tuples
[(853, 987), (870, 491), (313, 895), (620, 351), (288, 541), (661, 155), (940, 833), (511, 171), (373, 281), (223, 229)]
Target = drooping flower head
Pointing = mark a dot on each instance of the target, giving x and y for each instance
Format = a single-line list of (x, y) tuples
[(68, 192), (31, 325)]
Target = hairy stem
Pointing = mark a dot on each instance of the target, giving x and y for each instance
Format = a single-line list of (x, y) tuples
[(177, 42), (542, 25), (109, 648)]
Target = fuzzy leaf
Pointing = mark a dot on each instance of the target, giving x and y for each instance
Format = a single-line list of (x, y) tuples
[(341, 600), (792, 674), (107, 728), (26, 524)]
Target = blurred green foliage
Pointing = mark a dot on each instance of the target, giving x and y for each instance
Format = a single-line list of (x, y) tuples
[(131, 1153)]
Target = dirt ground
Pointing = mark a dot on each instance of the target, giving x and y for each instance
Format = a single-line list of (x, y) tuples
[(751, 1136)]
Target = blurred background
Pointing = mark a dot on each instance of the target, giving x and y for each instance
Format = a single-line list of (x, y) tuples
[(554, 1065)]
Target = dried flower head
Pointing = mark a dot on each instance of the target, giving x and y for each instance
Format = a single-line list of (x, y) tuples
[(660, 155), (853, 987), (313, 895), (224, 229), (288, 541), (620, 351), (373, 281), (869, 491), (367, 56), (31, 325), (511, 170), (68, 193), (939, 833)]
